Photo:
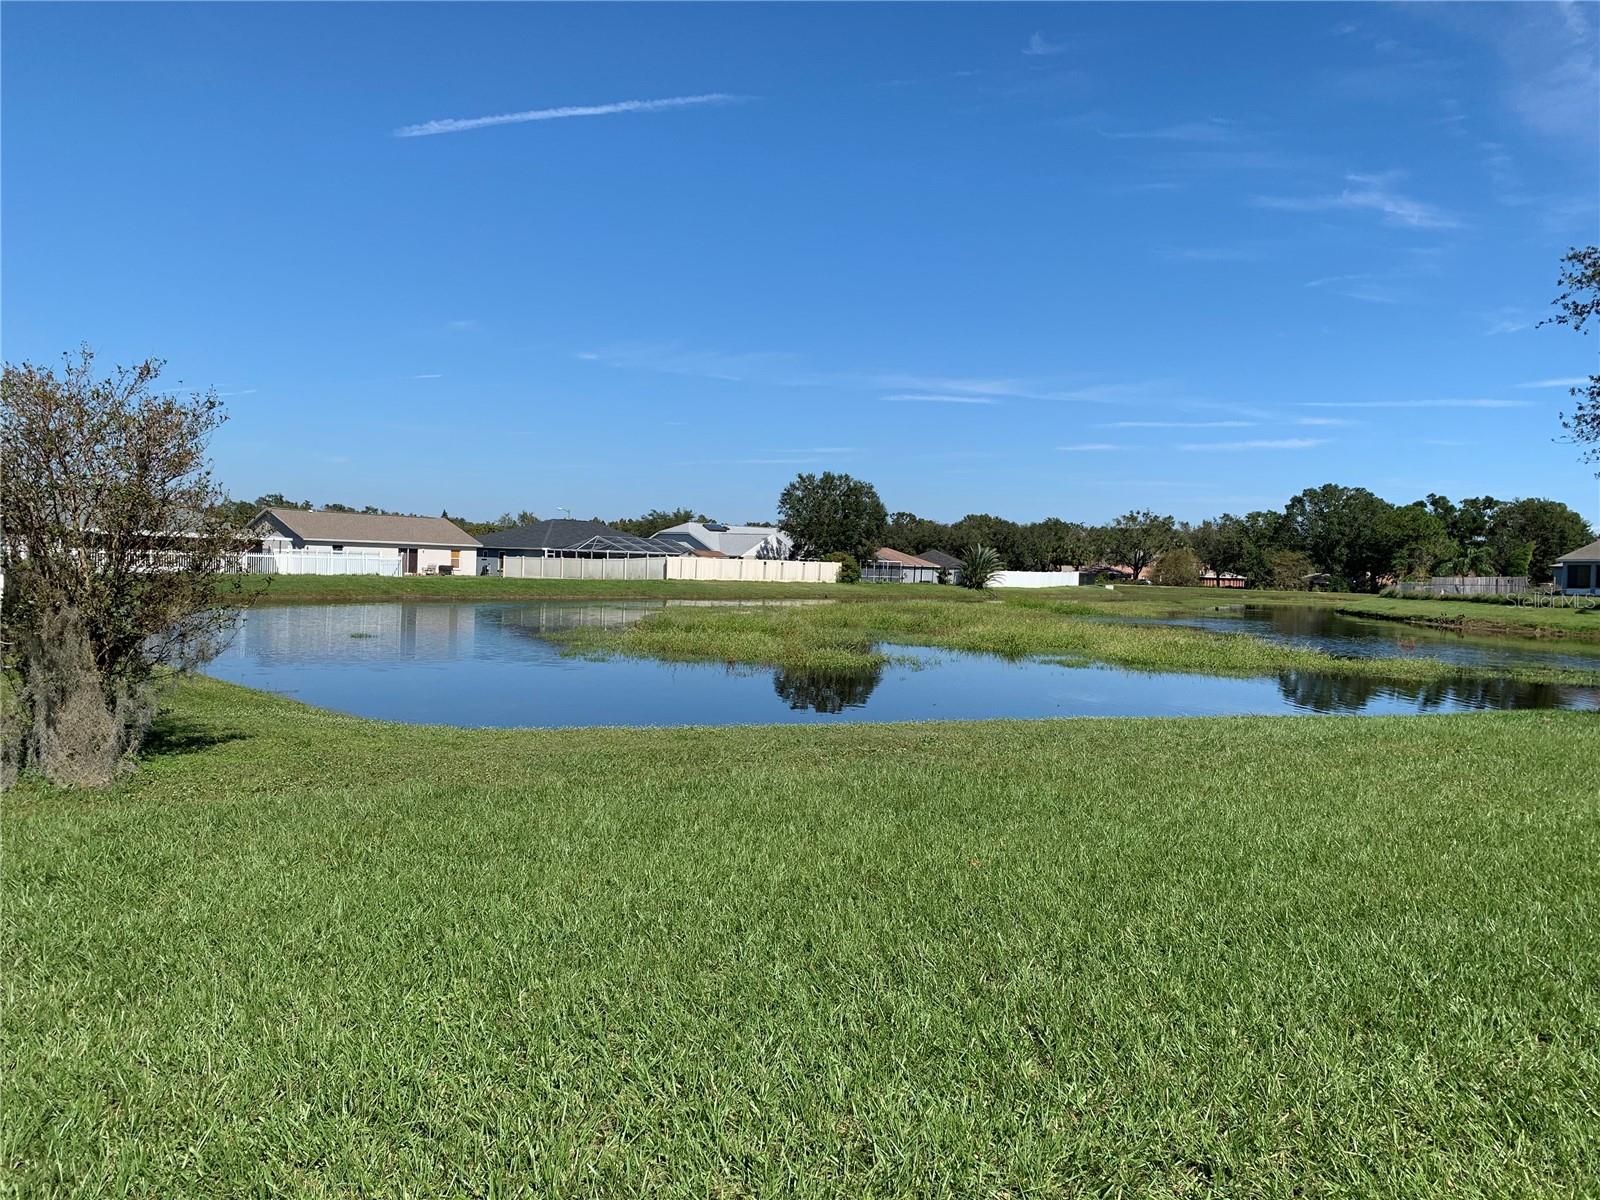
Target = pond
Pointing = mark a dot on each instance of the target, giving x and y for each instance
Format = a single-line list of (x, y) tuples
[(1311, 627), (477, 665)]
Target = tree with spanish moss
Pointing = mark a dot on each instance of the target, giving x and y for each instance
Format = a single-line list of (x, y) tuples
[(115, 537)]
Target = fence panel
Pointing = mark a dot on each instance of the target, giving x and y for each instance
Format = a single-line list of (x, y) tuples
[(1036, 579), (752, 570), (1465, 585), (314, 562), (516, 566)]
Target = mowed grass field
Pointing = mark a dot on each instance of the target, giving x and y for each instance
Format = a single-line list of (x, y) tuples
[(298, 953)]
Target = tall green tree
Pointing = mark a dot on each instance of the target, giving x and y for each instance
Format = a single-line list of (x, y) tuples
[(1135, 539), (1578, 303), (1343, 530), (657, 519), (1550, 526), (832, 514)]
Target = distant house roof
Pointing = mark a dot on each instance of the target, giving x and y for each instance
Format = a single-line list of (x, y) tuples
[(940, 559), (734, 541), (382, 528), (888, 554), (548, 535), (1583, 554)]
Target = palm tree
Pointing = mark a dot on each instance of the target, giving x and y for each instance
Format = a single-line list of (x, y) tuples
[(979, 566)]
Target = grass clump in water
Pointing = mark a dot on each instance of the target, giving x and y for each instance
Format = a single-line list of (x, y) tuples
[(848, 637)]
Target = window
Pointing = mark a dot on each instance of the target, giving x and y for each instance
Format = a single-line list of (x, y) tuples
[(455, 560), (338, 549), (1579, 575)]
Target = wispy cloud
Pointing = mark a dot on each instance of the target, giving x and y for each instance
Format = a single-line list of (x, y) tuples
[(1506, 320), (930, 398), (1176, 425), (463, 124), (1263, 444), (1368, 193), (1369, 289), (1569, 381), (241, 392), (1326, 421), (1088, 447), (1213, 129), (1039, 47), (430, 375), (1214, 254), (1452, 403)]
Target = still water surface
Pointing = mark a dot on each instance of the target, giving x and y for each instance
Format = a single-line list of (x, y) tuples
[(1311, 627), (494, 665)]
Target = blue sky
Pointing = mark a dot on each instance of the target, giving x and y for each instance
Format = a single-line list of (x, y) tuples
[(1024, 259)]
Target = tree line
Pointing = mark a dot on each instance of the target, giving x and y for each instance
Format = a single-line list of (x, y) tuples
[(1354, 538)]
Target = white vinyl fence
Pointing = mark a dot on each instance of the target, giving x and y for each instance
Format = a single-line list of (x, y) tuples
[(321, 562), (1036, 579), (729, 570), (753, 570)]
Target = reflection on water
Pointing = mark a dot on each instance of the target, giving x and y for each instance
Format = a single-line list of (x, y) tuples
[(826, 691), (1311, 627), (1311, 691), (493, 665)]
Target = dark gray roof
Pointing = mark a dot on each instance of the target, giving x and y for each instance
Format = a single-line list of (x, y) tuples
[(939, 558), (385, 529), (548, 535), (1589, 553)]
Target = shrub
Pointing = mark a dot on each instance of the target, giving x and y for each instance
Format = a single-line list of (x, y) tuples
[(115, 538), (849, 568), (1177, 567), (979, 566)]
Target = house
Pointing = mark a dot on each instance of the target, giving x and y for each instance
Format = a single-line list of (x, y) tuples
[(1221, 579), (295, 541), (947, 563), (567, 539), (888, 565), (1578, 572), (730, 541)]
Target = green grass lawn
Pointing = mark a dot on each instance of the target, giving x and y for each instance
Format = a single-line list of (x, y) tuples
[(299, 953), (847, 637)]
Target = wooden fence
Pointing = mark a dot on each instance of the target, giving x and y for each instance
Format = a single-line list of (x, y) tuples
[(1465, 585)]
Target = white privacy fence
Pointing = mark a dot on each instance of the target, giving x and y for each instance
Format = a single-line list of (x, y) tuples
[(728, 570), (1036, 579), (321, 562), (753, 570), (516, 566)]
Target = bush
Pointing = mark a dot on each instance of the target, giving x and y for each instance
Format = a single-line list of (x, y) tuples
[(1177, 567), (849, 568), (979, 566)]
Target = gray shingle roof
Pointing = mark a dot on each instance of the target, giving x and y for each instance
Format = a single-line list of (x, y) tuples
[(940, 559), (383, 528), (1589, 553), (560, 534)]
